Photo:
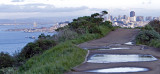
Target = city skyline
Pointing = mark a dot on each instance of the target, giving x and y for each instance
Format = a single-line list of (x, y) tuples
[(131, 21)]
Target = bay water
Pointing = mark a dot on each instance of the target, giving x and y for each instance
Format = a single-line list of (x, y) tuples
[(14, 41)]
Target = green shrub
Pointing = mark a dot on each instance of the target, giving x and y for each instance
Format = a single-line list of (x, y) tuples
[(155, 43), (1, 72), (64, 35), (57, 60), (89, 24), (8, 70), (6, 60), (35, 48), (148, 27), (155, 24), (145, 37)]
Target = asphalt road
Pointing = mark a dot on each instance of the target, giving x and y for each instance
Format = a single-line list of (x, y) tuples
[(115, 39)]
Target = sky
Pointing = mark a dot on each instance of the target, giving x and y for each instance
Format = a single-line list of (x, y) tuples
[(17, 9)]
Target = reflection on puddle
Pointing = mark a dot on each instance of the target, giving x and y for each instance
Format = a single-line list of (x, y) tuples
[(129, 43), (114, 48), (119, 70), (114, 58)]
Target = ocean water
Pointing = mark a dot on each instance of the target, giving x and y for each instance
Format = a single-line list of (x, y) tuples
[(12, 42)]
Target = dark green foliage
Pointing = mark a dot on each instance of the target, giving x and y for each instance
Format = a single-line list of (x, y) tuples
[(34, 48), (149, 34), (95, 15), (147, 27), (104, 12), (57, 60), (1, 72), (42, 36), (155, 43), (146, 36), (6, 60), (90, 24), (155, 24)]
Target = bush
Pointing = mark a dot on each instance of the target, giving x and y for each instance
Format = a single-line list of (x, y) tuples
[(155, 24), (6, 60), (57, 60), (146, 36), (64, 35), (8, 70), (35, 48), (148, 27), (155, 43), (1, 72)]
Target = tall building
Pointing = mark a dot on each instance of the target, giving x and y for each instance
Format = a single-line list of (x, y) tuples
[(133, 19), (119, 17), (110, 17), (140, 18), (149, 18), (132, 14), (125, 17)]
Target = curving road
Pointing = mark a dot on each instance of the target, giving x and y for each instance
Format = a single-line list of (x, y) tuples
[(115, 39)]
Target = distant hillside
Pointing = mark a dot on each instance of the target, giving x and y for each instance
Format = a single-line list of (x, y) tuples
[(44, 20)]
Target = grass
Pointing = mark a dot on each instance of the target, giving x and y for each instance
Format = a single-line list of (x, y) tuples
[(57, 60), (61, 58)]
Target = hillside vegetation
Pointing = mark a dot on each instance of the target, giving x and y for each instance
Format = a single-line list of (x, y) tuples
[(58, 53), (150, 34)]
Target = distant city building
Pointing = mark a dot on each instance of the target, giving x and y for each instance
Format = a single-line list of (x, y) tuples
[(140, 18), (115, 19), (133, 19), (155, 18), (149, 18), (132, 14), (119, 17), (110, 17), (125, 17)]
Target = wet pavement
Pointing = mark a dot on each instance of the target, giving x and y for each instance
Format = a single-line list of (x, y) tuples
[(117, 53)]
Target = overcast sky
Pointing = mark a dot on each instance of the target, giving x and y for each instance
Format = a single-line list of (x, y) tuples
[(14, 9)]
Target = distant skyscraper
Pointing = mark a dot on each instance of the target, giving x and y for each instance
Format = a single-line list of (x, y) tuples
[(140, 18), (132, 14), (149, 18), (125, 17), (110, 17), (119, 17)]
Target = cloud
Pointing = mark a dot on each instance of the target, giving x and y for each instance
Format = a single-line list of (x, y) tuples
[(17, 1), (38, 8), (147, 2), (42, 10)]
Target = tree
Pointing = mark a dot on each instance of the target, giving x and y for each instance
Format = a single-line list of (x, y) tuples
[(103, 13), (6, 60), (95, 15)]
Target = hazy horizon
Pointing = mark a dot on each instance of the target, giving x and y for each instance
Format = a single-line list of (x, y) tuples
[(17, 9)]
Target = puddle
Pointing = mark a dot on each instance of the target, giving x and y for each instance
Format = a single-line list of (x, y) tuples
[(120, 70), (129, 43), (115, 58), (115, 48)]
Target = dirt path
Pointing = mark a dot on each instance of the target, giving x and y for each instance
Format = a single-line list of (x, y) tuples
[(118, 38)]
